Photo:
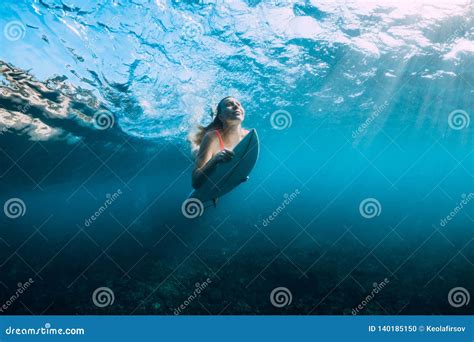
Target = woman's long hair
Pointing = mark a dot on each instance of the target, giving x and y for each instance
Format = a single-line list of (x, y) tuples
[(196, 138)]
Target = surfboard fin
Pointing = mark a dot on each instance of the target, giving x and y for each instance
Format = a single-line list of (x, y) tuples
[(214, 201)]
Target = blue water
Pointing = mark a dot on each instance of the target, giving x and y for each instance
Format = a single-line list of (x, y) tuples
[(353, 103)]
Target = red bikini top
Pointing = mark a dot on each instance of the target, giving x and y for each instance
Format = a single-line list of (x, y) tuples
[(221, 141)]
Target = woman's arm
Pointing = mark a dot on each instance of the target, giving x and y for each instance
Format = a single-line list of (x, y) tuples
[(206, 161), (203, 161)]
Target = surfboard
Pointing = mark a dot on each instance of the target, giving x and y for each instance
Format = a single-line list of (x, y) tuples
[(228, 175)]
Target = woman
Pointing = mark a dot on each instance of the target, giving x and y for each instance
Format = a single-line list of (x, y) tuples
[(217, 140)]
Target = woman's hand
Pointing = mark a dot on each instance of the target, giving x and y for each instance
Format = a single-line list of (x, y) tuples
[(223, 156)]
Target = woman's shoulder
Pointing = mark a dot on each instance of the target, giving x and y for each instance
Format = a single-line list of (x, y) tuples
[(209, 137), (212, 133)]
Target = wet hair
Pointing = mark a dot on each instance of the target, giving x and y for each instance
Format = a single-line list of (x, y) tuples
[(196, 138)]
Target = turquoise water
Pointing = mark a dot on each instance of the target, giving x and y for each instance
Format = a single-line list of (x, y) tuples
[(365, 175)]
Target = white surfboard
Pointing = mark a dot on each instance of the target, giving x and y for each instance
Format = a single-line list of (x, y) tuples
[(228, 175)]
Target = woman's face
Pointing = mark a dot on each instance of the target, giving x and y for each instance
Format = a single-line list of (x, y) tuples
[(231, 110)]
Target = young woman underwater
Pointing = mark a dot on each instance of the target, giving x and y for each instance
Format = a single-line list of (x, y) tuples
[(216, 141)]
